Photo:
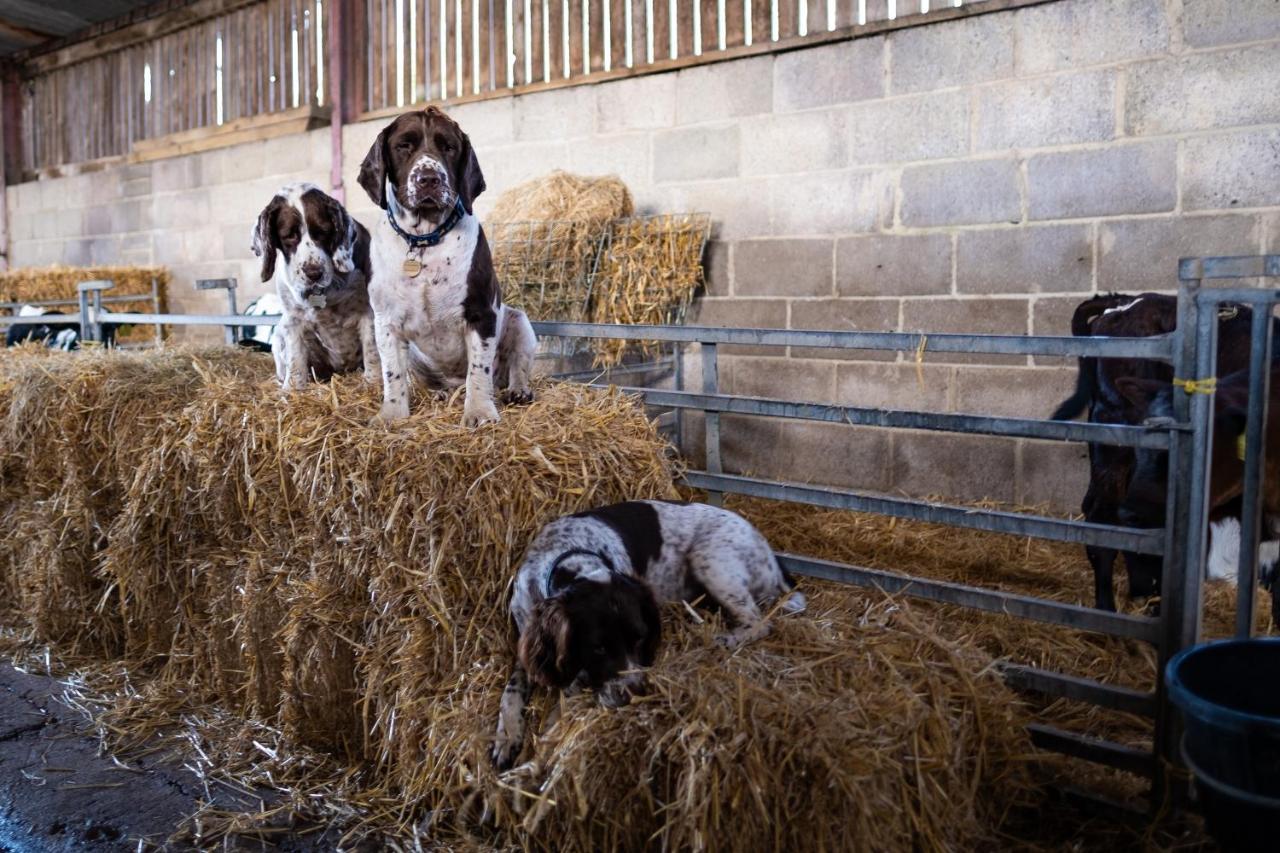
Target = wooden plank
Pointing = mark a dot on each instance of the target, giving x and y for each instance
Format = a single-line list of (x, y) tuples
[(248, 129), (597, 35), (469, 47), (177, 18), (735, 13), (707, 14), (554, 16), (815, 16), (426, 18), (788, 18)]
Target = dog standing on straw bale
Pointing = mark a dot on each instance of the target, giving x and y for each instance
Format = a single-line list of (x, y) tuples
[(436, 299), (585, 598), (326, 326)]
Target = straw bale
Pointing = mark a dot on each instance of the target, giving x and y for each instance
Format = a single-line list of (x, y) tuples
[(320, 606), (648, 275), (564, 196), (31, 284)]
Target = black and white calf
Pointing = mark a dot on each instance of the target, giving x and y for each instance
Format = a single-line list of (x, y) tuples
[(52, 335), (437, 302), (259, 337), (584, 600), (326, 324)]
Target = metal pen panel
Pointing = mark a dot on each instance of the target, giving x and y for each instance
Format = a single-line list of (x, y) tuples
[(1255, 451)]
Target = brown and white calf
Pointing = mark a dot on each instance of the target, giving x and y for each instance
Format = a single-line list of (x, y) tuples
[(1098, 393), (326, 324), (584, 601), (437, 304), (1144, 502)]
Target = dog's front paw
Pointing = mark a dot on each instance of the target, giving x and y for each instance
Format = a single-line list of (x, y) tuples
[(504, 752), (389, 415), (518, 396), (475, 414), (742, 636)]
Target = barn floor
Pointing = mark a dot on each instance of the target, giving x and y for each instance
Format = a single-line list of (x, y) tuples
[(59, 793)]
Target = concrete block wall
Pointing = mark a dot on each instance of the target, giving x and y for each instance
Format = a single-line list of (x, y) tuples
[(981, 175)]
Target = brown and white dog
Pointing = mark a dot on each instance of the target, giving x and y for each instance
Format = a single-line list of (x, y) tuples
[(437, 305), (326, 324), (585, 598)]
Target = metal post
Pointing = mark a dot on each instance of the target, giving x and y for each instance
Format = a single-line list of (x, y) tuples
[(1175, 594), (1254, 460), (91, 312), (229, 285), (678, 355), (336, 67), (155, 304), (710, 385)]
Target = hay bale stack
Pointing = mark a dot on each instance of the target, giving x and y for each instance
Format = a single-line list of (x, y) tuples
[(546, 236), (281, 559), (33, 284)]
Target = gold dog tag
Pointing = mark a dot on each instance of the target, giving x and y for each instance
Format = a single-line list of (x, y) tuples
[(412, 267)]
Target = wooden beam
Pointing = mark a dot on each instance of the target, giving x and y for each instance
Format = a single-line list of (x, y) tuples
[(121, 37), (24, 35)]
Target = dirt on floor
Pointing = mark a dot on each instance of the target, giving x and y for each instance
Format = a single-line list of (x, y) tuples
[(59, 792)]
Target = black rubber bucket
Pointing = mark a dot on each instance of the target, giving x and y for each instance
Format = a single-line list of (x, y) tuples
[(1229, 695)]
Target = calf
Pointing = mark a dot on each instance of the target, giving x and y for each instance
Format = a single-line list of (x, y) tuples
[(1097, 391), (52, 335), (1144, 502)]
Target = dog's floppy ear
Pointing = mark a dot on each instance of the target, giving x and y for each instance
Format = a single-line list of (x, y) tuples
[(373, 169), (544, 648), (264, 242), (472, 183), (344, 255)]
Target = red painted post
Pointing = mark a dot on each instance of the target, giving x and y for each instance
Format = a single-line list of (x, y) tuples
[(337, 62)]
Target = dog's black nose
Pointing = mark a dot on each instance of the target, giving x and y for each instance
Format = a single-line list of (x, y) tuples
[(313, 273), (428, 179)]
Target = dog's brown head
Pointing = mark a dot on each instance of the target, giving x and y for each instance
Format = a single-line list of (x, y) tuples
[(426, 160), (316, 235), (596, 629)]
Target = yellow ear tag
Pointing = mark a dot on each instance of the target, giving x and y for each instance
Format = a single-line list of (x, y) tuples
[(1240, 446)]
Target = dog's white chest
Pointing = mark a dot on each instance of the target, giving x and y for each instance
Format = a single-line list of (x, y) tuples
[(425, 309)]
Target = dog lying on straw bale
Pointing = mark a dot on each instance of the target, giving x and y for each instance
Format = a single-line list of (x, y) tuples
[(585, 597)]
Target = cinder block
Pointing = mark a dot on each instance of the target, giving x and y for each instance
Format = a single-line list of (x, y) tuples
[(799, 380), (1142, 254), (884, 265), (63, 223), (176, 174), (626, 155), (804, 142), (135, 187), (76, 253), (895, 386), (724, 90), (796, 267), (1203, 90), (247, 162), (187, 208), (968, 316), (957, 53), (1015, 392), (1231, 170), (837, 73), (97, 220), (104, 186), (1046, 111), (1051, 315), (954, 467), (204, 245), (1137, 178), (636, 103), (963, 193), (735, 208), (506, 166), (715, 268), (1210, 22), (1034, 259), (741, 314), (104, 250), (1054, 474), (491, 122), (831, 202), (696, 153), (845, 315), (556, 114), (1055, 36), (825, 454), (1271, 234), (917, 127)]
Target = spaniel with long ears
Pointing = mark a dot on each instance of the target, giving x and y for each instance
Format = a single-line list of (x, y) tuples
[(326, 324), (585, 599), (437, 304)]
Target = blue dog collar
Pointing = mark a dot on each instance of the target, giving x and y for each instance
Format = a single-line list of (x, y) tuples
[(434, 237)]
